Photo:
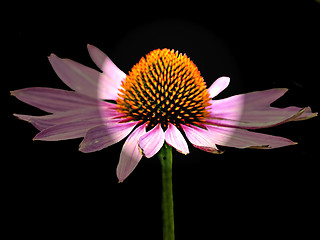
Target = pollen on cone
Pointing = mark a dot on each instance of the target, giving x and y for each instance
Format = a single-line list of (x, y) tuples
[(164, 87)]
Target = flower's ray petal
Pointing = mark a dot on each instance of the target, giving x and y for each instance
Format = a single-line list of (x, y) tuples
[(307, 114), (241, 138), (34, 121), (105, 135), (252, 110), (232, 107), (83, 79), (175, 139), (218, 86), (151, 142), (261, 99), (108, 88), (200, 138), (130, 154), (106, 65), (53, 100), (254, 119), (81, 114), (68, 130)]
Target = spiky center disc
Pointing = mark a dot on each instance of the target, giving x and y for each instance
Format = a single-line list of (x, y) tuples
[(164, 87)]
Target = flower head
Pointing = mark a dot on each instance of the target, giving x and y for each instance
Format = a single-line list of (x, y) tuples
[(162, 99)]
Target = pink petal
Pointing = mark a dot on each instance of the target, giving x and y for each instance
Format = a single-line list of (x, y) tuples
[(69, 130), (152, 141), (254, 119), (200, 138), (231, 107), (130, 154), (307, 114), (106, 65), (81, 114), (175, 139), (262, 99), (218, 86), (33, 120), (83, 79), (105, 135), (53, 100), (241, 138), (252, 110)]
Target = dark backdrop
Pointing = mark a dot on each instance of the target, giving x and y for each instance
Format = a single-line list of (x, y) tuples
[(52, 189)]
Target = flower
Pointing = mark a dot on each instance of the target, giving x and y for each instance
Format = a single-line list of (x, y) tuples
[(163, 99)]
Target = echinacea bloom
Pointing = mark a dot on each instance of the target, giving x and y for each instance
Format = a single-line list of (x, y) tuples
[(163, 99)]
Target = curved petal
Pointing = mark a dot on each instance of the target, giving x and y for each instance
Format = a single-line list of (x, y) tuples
[(232, 107), (108, 88), (254, 119), (105, 64), (81, 114), (130, 154), (66, 131), (33, 120), (175, 139), (152, 141), (252, 110), (53, 100), (241, 138), (218, 86), (105, 135), (200, 138), (307, 114), (83, 79)]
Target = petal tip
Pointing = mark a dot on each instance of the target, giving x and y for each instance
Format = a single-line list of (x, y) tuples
[(225, 78), (82, 148), (52, 55), (218, 86), (283, 90), (89, 47), (218, 151), (18, 116)]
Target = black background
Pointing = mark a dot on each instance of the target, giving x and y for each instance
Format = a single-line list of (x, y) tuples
[(52, 189)]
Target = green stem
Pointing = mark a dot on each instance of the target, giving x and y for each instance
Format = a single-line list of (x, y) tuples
[(165, 156)]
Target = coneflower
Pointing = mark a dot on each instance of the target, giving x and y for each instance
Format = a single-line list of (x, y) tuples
[(160, 103)]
